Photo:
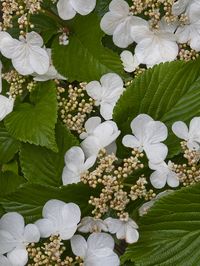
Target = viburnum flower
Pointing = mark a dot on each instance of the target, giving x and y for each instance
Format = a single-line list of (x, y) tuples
[(6, 106), (129, 61), (15, 236), (60, 218), (90, 225), (191, 135), (148, 135), (118, 22), (163, 174), (26, 53), (154, 46), (106, 93), (75, 165), (98, 135), (190, 32), (123, 229), (52, 73), (98, 250), (67, 9)]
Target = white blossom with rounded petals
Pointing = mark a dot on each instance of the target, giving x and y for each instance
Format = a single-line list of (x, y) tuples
[(75, 165), (154, 46), (118, 22), (6, 106), (90, 225), (163, 175), (148, 135), (59, 218), (5, 262), (97, 250), (15, 236), (106, 93), (191, 135), (26, 53), (98, 135), (67, 9), (123, 229)]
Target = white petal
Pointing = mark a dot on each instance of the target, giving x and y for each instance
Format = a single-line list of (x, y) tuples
[(105, 258), (132, 235), (6, 106), (33, 38), (83, 7), (179, 7), (106, 110), (140, 29), (99, 241), (65, 9), (7, 242), (194, 128), (31, 233), (71, 214), (89, 162), (156, 152), (158, 179), (78, 245), (18, 256), (10, 47), (111, 81), (0, 77), (92, 123), (138, 125), (130, 141), (22, 62), (180, 130), (119, 7), (70, 177), (121, 35), (13, 222), (129, 61), (155, 131), (172, 179), (114, 225), (53, 210), (90, 146), (75, 156), (111, 148), (67, 233), (94, 90), (46, 227), (39, 60), (110, 21), (4, 261)]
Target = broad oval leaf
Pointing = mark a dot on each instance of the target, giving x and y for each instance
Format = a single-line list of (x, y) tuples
[(35, 122)]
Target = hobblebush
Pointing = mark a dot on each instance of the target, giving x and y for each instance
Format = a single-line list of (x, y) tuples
[(99, 132)]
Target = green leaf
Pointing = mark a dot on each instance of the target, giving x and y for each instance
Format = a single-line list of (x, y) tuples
[(168, 92), (170, 232), (30, 199), (8, 146), (84, 58), (35, 122), (49, 164), (102, 7), (9, 182)]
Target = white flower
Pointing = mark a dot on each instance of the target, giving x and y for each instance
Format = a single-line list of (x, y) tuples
[(90, 225), (190, 32), (98, 135), (60, 218), (52, 73), (15, 236), (118, 22), (75, 165), (191, 135), (130, 62), (163, 174), (26, 54), (97, 251), (6, 106), (123, 230), (147, 136), (154, 46), (0, 77), (67, 9), (147, 205), (106, 93)]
